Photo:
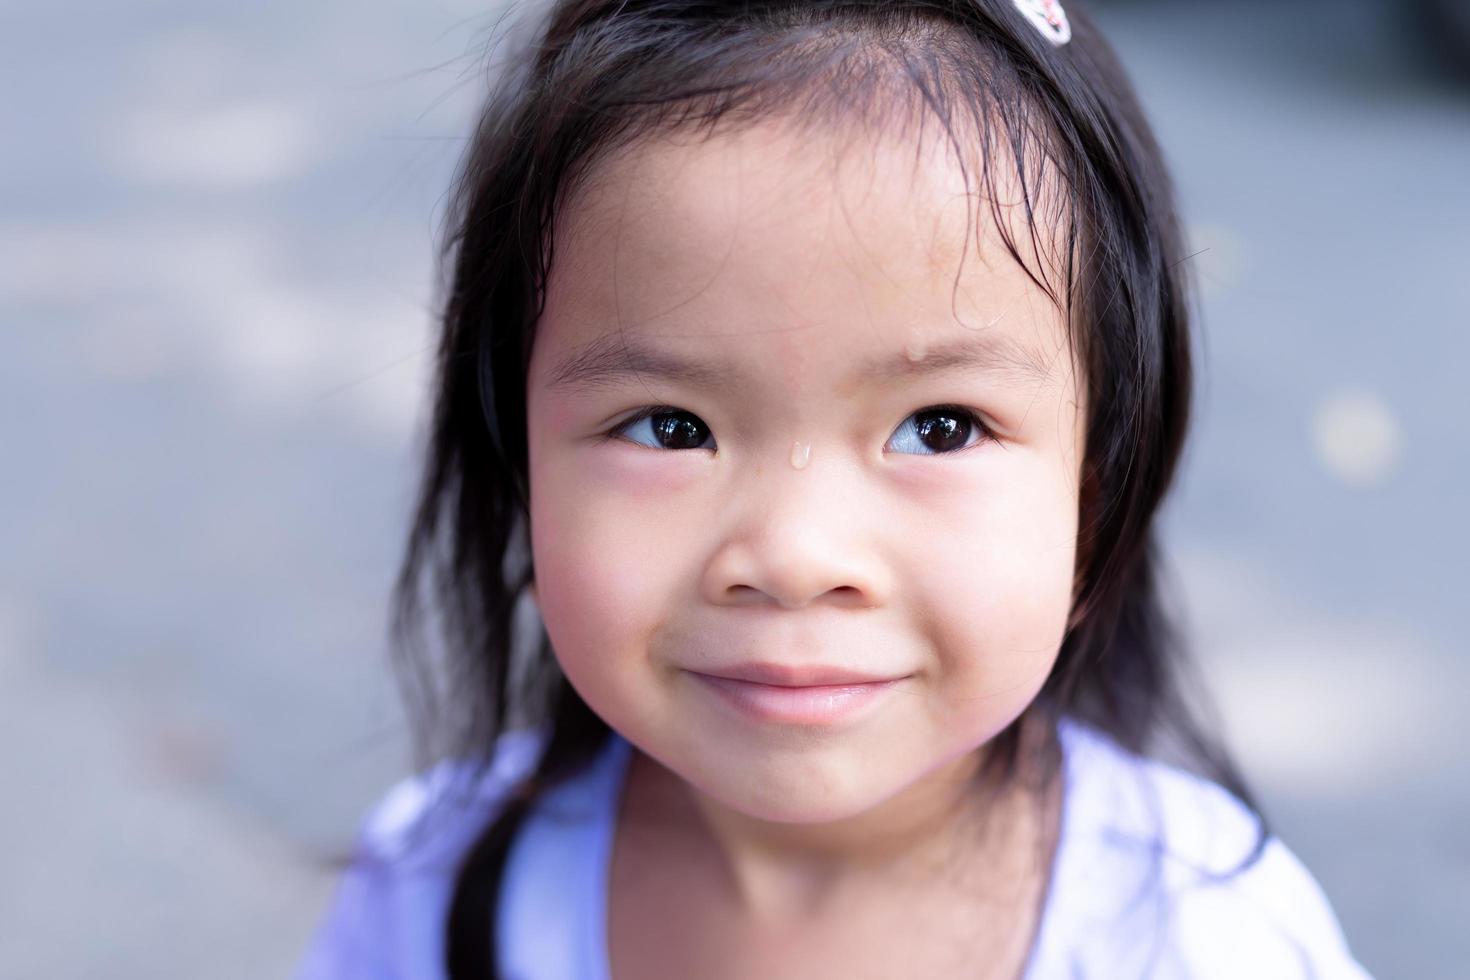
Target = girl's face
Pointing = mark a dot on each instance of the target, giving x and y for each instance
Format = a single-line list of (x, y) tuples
[(838, 557)]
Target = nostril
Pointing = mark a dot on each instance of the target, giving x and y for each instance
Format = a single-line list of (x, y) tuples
[(849, 595)]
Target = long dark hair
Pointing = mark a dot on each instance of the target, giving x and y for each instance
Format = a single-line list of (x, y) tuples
[(599, 73)]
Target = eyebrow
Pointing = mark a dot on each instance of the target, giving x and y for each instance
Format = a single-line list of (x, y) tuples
[(615, 358)]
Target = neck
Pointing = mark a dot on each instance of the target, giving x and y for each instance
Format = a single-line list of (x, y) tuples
[(779, 872)]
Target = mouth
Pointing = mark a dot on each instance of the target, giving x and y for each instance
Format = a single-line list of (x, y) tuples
[(786, 675), (812, 696)]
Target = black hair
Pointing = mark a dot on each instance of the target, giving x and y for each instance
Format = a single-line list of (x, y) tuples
[(598, 74)]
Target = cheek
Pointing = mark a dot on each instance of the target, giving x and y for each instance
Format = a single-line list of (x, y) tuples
[(999, 588), (610, 551)]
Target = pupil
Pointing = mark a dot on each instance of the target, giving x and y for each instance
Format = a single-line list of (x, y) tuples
[(941, 431), (678, 431)]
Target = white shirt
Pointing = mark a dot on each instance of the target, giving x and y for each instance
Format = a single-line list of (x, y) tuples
[(1139, 884)]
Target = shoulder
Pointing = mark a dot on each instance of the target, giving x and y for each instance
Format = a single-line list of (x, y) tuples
[(420, 823), (386, 915), (1170, 874), (1270, 919)]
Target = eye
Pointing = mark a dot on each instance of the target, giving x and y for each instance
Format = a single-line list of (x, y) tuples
[(938, 430), (662, 427)]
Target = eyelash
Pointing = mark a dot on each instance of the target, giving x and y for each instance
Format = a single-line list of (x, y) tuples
[(980, 427)]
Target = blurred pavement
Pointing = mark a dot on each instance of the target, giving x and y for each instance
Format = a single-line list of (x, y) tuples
[(217, 223)]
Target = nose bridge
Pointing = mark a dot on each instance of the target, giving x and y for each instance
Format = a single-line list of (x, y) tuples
[(802, 496), (800, 535)]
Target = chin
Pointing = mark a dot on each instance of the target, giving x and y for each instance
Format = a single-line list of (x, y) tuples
[(789, 808), (793, 790)]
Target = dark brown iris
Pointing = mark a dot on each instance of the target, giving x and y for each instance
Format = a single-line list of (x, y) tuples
[(679, 430), (942, 430)]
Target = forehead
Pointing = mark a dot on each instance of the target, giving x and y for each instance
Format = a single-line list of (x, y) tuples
[(804, 251)]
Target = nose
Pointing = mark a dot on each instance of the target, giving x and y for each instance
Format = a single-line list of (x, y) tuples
[(797, 537)]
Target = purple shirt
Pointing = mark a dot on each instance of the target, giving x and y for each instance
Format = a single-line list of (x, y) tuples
[(1133, 889)]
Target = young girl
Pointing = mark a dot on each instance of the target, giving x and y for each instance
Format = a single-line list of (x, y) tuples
[(811, 374)]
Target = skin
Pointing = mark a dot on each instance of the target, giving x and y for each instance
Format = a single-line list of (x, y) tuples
[(789, 263)]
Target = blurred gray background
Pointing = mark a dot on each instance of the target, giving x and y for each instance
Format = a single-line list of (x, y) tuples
[(217, 225)]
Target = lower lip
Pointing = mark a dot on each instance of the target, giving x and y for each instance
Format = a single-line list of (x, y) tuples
[(825, 705)]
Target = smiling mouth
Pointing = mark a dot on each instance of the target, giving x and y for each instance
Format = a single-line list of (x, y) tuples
[(810, 696), (786, 675)]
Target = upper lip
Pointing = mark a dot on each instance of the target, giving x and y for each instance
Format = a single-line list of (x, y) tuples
[(787, 675)]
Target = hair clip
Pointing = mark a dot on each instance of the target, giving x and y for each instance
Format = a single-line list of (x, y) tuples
[(1049, 17)]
